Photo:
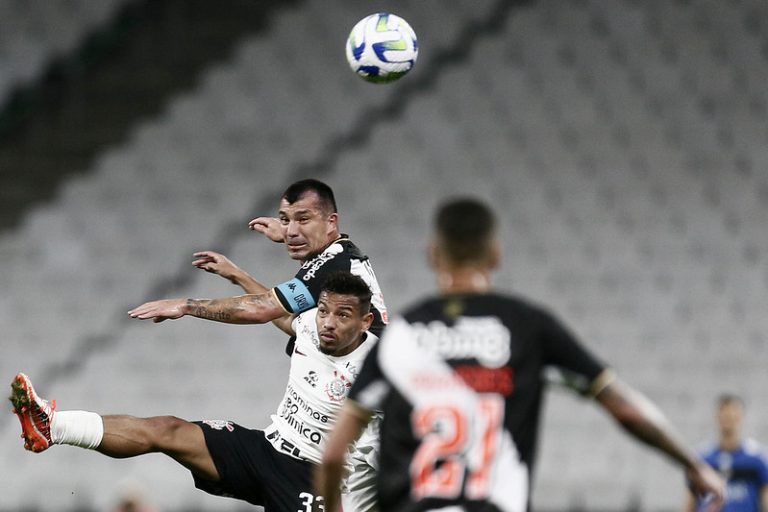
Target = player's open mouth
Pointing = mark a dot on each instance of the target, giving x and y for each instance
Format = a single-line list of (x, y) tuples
[(327, 337)]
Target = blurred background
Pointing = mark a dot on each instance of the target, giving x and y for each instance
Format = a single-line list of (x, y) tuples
[(624, 144)]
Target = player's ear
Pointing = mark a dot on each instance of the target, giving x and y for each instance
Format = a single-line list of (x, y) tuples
[(367, 321), (494, 255), (433, 254)]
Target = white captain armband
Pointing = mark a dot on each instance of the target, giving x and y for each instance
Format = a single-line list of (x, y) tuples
[(294, 296)]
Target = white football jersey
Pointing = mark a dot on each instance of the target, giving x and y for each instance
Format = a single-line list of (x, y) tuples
[(317, 387)]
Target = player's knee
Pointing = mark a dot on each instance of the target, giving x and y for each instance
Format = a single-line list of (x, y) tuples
[(168, 432)]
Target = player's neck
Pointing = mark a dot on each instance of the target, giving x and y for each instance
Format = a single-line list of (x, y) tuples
[(463, 280), (730, 443), (351, 348), (333, 237)]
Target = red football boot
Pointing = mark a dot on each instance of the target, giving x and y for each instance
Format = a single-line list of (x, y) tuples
[(35, 414)]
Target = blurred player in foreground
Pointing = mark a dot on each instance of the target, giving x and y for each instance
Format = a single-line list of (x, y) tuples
[(741, 462), (459, 380), (270, 467)]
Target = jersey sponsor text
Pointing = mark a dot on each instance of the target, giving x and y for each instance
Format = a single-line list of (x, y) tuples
[(483, 338)]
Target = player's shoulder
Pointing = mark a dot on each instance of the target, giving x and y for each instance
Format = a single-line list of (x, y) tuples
[(339, 252), (369, 342), (305, 326), (753, 448), (334, 249), (344, 245), (708, 451), (306, 317), (362, 350), (493, 303)]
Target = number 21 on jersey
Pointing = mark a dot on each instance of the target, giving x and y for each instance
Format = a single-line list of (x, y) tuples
[(463, 443)]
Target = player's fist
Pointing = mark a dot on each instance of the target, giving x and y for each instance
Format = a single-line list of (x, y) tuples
[(218, 264), (708, 485), (269, 227)]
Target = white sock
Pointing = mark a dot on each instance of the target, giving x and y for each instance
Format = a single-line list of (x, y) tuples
[(77, 428)]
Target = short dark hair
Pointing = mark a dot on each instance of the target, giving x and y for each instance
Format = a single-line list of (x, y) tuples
[(346, 283), (324, 193), (729, 398), (465, 227)]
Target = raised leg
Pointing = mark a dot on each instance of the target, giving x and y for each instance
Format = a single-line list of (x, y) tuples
[(127, 436)]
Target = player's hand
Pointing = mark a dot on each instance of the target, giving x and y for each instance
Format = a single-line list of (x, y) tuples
[(707, 485), (218, 264), (269, 227), (159, 310)]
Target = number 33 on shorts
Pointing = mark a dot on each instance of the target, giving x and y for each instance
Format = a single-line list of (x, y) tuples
[(311, 503)]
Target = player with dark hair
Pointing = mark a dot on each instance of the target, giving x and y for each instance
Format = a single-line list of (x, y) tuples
[(326, 199), (741, 462), (307, 224), (270, 467), (459, 378)]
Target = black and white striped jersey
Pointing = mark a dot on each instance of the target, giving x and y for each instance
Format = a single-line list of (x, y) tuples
[(302, 292), (459, 379)]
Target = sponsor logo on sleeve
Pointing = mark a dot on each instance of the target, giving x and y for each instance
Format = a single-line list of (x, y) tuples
[(220, 425)]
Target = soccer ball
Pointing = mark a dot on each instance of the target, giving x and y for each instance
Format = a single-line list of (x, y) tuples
[(382, 47)]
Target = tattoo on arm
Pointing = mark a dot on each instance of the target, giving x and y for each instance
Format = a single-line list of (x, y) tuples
[(245, 309), (208, 310), (205, 309)]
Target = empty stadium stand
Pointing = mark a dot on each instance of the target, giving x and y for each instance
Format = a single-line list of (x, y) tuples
[(624, 144)]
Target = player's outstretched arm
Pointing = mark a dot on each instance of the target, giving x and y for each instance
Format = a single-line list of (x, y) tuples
[(269, 227), (644, 421), (217, 263), (690, 502), (243, 309), (764, 497), (328, 476)]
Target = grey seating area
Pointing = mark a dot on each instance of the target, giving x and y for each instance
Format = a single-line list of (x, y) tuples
[(623, 143), (34, 32)]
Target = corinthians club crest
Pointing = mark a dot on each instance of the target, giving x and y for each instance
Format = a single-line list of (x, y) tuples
[(338, 388)]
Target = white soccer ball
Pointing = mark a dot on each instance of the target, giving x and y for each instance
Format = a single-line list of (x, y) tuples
[(382, 47)]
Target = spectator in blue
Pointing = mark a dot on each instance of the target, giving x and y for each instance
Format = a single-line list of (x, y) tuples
[(741, 461)]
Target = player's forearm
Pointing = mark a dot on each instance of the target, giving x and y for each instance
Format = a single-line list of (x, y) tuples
[(328, 484), (248, 283), (764, 498), (245, 309), (690, 503), (644, 421), (328, 476)]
